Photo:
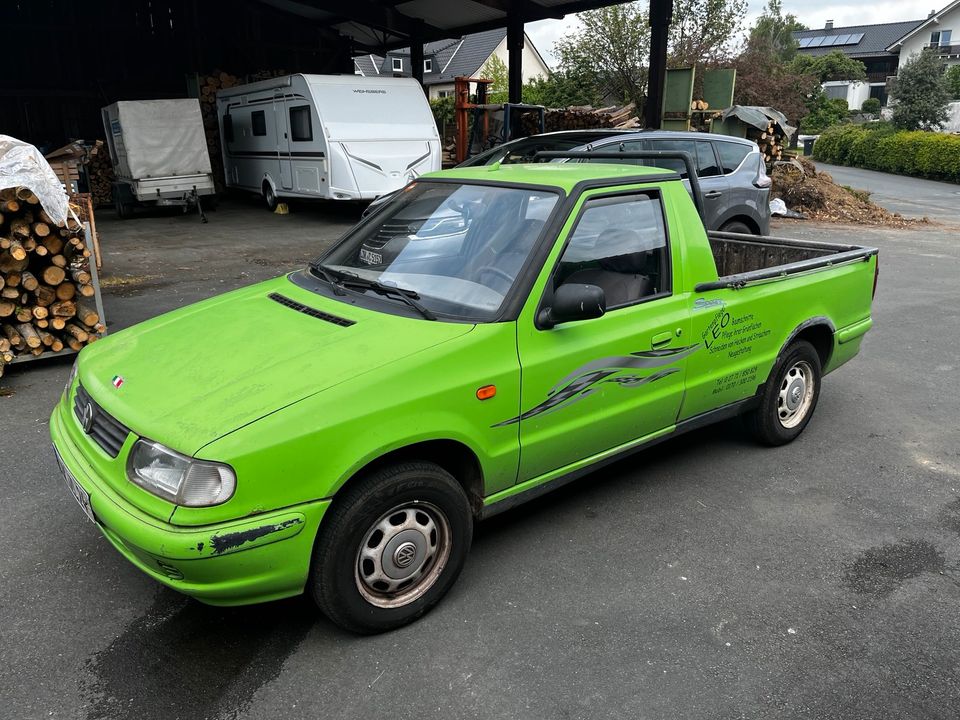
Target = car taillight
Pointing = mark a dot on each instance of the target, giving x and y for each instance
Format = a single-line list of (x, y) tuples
[(876, 277)]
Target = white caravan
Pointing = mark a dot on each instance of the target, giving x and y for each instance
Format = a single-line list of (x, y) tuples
[(340, 137)]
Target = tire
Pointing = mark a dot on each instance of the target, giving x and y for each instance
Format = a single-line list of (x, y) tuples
[(789, 397), (737, 227), (391, 547), (269, 197)]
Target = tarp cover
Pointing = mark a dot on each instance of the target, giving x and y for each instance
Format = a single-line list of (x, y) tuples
[(759, 117), (22, 165), (158, 138)]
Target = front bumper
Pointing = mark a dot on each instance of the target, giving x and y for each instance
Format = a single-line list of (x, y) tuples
[(251, 560)]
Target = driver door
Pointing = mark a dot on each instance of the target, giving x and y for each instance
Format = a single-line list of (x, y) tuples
[(594, 386)]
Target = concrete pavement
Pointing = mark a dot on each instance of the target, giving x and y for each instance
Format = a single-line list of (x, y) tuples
[(706, 578)]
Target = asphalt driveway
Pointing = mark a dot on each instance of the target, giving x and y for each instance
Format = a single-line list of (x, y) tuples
[(912, 197), (706, 578)]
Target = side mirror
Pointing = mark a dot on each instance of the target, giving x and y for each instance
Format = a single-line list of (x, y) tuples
[(573, 301)]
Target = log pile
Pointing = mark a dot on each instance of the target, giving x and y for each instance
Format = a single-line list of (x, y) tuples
[(100, 175), (47, 296), (771, 141), (583, 117)]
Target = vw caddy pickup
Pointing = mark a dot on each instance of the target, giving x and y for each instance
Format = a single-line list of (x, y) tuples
[(488, 335)]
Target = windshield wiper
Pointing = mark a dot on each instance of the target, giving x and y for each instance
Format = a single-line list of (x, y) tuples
[(323, 272), (410, 297)]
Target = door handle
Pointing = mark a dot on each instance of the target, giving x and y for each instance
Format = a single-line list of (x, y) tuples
[(713, 194), (661, 339)]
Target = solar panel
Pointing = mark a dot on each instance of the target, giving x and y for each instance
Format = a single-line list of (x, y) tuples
[(843, 39), (830, 40), (805, 41), (854, 39), (817, 41)]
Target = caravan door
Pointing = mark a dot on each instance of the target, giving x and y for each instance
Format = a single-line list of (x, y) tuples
[(283, 139)]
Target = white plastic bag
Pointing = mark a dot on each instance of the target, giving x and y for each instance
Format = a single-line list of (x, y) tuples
[(22, 165), (778, 207)]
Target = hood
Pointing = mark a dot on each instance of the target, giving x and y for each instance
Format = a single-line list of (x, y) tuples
[(195, 374)]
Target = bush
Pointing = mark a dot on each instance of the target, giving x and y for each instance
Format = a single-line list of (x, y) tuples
[(824, 113), (953, 81), (924, 154), (871, 105)]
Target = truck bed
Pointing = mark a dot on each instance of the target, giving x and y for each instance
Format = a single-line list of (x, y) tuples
[(741, 259)]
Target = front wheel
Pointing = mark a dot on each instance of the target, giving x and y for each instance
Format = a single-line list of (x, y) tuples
[(269, 196), (391, 548), (789, 396)]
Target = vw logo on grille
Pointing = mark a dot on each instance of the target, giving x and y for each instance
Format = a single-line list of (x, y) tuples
[(87, 415), (405, 554)]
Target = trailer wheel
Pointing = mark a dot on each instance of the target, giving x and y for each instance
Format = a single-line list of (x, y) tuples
[(789, 396), (391, 547), (269, 196), (123, 210)]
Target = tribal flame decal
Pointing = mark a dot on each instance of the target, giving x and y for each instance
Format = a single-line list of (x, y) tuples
[(588, 378)]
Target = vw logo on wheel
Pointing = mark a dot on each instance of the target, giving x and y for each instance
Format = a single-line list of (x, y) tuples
[(405, 554), (87, 415)]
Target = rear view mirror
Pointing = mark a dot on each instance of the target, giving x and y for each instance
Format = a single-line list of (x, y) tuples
[(573, 301)]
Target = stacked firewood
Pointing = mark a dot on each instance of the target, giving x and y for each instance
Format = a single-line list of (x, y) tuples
[(47, 299), (584, 117), (771, 141), (100, 175)]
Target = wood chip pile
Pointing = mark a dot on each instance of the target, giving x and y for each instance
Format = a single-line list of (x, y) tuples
[(47, 299), (805, 189)]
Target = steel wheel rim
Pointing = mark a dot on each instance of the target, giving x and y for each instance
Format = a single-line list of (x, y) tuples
[(795, 397), (271, 198), (402, 554)]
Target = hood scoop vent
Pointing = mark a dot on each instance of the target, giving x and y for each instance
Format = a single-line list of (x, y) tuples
[(300, 307)]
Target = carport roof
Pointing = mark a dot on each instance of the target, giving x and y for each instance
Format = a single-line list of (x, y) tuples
[(388, 24)]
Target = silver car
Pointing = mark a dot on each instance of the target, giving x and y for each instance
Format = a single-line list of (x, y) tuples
[(732, 173)]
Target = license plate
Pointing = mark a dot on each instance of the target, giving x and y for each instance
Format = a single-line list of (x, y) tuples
[(80, 495), (370, 258)]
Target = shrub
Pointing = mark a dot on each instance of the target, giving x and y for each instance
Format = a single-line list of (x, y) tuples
[(871, 105), (953, 81), (925, 154), (921, 93)]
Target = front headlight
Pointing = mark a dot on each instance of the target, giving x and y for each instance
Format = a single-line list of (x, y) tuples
[(70, 379), (180, 479)]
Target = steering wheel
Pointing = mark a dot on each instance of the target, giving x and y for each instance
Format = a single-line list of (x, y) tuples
[(503, 275)]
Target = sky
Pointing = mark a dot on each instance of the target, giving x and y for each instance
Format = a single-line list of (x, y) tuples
[(812, 13)]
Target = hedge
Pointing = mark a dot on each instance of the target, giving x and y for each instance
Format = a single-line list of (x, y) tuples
[(922, 154)]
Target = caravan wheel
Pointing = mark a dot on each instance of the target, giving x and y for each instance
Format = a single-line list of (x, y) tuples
[(269, 196)]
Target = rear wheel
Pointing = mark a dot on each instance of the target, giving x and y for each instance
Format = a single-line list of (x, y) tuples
[(789, 396), (269, 196), (737, 227), (391, 548)]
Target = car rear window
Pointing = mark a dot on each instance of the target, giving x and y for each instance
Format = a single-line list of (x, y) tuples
[(731, 155)]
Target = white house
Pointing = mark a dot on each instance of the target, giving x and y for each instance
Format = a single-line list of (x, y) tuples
[(940, 33), (447, 59)]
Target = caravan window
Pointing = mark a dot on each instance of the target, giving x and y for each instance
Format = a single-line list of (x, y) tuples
[(228, 127), (300, 127), (259, 121)]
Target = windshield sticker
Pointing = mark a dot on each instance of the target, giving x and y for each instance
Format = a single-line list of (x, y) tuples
[(588, 378)]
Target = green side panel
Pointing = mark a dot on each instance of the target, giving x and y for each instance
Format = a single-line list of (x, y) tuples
[(730, 126), (678, 91), (718, 87), (676, 125)]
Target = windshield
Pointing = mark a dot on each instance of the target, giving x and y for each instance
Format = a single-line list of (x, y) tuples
[(455, 248)]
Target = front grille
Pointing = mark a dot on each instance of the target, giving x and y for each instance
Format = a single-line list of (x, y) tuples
[(388, 231), (306, 310), (108, 432)]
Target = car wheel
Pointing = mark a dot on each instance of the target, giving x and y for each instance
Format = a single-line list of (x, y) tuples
[(391, 547), (737, 227), (269, 197), (789, 396)]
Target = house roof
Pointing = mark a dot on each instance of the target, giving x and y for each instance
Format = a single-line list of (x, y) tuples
[(451, 58), (875, 41), (933, 19)]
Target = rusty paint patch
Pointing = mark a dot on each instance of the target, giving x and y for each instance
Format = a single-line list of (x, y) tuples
[(228, 541)]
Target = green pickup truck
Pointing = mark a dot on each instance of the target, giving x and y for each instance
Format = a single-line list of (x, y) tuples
[(338, 430)]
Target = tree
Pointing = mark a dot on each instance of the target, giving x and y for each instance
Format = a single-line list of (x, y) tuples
[(702, 31), (496, 69), (772, 34), (832, 66), (921, 93), (953, 81), (610, 52), (561, 89)]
